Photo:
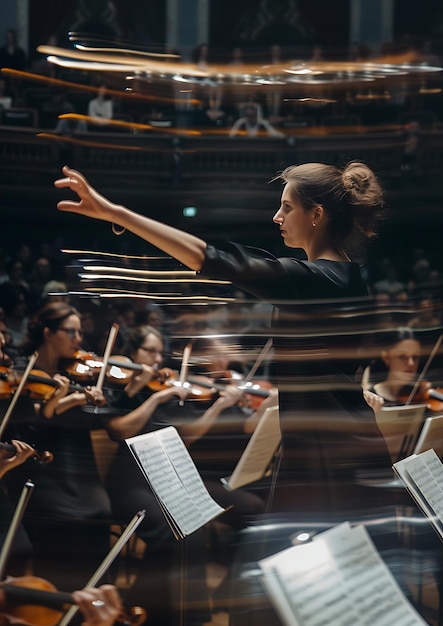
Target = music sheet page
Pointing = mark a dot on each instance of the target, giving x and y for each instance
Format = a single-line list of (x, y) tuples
[(340, 580), (174, 478), (423, 475), (259, 451)]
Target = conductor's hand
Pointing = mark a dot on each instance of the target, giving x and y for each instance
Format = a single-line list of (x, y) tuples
[(90, 203), (100, 606)]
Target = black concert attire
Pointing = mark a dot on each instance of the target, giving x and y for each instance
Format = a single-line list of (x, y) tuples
[(328, 430), (332, 449), (69, 513)]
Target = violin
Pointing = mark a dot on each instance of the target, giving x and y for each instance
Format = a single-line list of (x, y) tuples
[(33, 601), (198, 387), (86, 365), (255, 390), (425, 393), (203, 388), (39, 385), (42, 457), (121, 368)]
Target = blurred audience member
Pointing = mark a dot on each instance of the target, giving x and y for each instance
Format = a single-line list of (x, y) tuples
[(11, 54), (16, 273), (421, 279), (389, 283), (101, 108), (252, 124), (411, 146), (15, 301), (428, 315), (54, 291), (6, 100), (41, 274)]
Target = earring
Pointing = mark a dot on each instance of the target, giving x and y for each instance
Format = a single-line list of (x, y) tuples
[(314, 224)]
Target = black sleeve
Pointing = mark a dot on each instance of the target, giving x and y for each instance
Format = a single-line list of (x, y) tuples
[(254, 270)]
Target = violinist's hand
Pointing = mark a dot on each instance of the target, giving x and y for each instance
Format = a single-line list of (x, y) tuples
[(373, 400), (63, 386), (94, 396), (52, 406), (229, 396), (23, 452), (91, 203), (174, 391), (100, 606), (139, 380)]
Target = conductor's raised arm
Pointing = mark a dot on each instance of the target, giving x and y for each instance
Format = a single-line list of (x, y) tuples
[(184, 247)]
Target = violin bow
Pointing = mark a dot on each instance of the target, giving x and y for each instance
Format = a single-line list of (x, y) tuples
[(31, 361), (108, 349), (425, 369), (184, 367), (107, 561), (12, 530), (261, 357)]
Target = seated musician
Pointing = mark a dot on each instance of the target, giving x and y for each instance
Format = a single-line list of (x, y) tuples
[(70, 501), (389, 376), (146, 404)]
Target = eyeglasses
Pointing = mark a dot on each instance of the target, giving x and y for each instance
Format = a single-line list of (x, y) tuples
[(151, 350), (72, 332)]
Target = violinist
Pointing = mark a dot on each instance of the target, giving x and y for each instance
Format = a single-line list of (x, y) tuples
[(150, 410), (136, 403), (70, 500), (390, 375), (194, 421)]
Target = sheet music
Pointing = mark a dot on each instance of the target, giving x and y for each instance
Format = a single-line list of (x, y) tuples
[(259, 451), (431, 435), (400, 426), (188, 473), (339, 580), (425, 472), (171, 473)]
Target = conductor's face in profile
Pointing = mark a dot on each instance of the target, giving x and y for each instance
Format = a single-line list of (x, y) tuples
[(295, 222)]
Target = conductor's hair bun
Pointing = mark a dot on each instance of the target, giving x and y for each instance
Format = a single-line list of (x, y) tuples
[(358, 178)]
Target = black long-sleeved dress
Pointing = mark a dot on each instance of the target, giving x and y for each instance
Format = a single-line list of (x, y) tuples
[(331, 443)]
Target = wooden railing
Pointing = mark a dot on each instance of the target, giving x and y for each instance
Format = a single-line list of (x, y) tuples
[(163, 162)]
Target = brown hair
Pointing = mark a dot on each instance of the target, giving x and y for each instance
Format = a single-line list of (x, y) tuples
[(351, 197), (50, 316), (138, 335)]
